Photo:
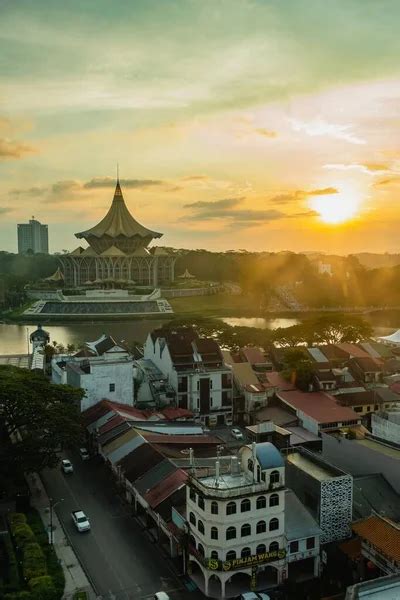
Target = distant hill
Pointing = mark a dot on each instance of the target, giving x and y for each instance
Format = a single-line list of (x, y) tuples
[(377, 261)]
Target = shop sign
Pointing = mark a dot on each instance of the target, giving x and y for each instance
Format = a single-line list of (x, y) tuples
[(243, 563)]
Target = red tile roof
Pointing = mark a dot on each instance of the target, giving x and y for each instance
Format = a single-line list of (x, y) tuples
[(319, 406), (156, 438), (353, 350), (92, 414), (276, 380), (111, 423), (253, 355), (382, 534), (395, 387), (171, 413), (166, 488)]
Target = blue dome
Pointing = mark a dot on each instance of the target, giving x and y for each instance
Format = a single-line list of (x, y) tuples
[(269, 456)]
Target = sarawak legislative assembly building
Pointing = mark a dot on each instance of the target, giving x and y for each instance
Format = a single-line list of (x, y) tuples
[(118, 252)]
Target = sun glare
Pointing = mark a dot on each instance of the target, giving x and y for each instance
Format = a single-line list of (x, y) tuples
[(336, 208)]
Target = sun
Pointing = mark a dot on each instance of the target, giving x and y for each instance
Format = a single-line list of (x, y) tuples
[(336, 208)]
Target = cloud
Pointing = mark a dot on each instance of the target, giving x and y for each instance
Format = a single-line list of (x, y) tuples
[(215, 205), (109, 182), (194, 178), (388, 181), (5, 209), (367, 168), (29, 192), (320, 127), (301, 194), (266, 132), (13, 149), (62, 187)]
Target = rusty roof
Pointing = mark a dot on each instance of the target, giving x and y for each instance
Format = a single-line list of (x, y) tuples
[(320, 406), (165, 488), (381, 533)]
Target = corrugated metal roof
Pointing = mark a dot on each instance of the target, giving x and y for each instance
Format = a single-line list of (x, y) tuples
[(373, 493), (181, 439), (130, 446), (382, 534), (319, 406), (154, 476), (317, 355), (139, 461), (114, 433), (168, 429), (299, 523), (166, 488)]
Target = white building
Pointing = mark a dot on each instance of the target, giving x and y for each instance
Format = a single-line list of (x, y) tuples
[(194, 368), (103, 369), (238, 531), (386, 426), (33, 237)]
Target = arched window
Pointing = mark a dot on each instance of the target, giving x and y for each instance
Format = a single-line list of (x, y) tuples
[(192, 541), (250, 465), (274, 500), (214, 554), (192, 494), (214, 507), (258, 473), (200, 526), (231, 555), (245, 552), (200, 502), (231, 533), (261, 527), (261, 502), (261, 548), (192, 519), (231, 508), (200, 549), (214, 533), (274, 547), (245, 505), (274, 477), (246, 530), (273, 524)]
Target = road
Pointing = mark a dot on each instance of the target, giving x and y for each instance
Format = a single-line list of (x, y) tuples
[(118, 556)]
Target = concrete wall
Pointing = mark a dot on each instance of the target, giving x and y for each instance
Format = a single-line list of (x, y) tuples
[(357, 459), (385, 429)]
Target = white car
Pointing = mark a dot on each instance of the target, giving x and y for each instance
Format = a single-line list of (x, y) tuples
[(236, 433), (161, 596), (66, 466), (84, 454), (254, 596), (81, 521)]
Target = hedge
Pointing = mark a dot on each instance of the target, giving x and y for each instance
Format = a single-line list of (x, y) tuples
[(34, 562), (13, 580), (22, 534), (16, 519), (80, 596), (42, 588), (24, 595)]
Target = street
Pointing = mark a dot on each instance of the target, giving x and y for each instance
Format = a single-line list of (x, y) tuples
[(118, 556)]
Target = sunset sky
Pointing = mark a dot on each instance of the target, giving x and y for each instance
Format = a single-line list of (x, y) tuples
[(257, 124)]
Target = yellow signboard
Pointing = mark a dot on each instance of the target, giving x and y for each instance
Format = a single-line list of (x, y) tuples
[(242, 563)]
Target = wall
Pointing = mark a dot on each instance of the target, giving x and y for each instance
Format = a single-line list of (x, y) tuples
[(385, 429)]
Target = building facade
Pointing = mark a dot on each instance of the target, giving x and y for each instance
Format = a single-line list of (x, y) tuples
[(33, 237), (118, 252), (194, 368), (238, 539)]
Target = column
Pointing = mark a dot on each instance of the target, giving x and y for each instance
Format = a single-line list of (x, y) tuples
[(223, 583), (206, 580)]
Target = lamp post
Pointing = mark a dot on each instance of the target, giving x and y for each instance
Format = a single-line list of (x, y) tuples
[(51, 508)]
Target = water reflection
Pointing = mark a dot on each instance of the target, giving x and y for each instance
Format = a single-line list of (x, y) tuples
[(260, 323)]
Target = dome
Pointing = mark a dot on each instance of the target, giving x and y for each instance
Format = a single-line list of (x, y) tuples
[(269, 456)]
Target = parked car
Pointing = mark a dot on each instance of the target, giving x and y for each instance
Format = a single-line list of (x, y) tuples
[(236, 433), (254, 596), (66, 466), (161, 596), (84, 454), (80, 520)]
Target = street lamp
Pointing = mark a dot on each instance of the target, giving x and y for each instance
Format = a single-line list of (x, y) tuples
[(52, 507)]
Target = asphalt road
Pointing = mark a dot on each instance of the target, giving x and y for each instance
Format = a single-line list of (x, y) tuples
[(118, 556)]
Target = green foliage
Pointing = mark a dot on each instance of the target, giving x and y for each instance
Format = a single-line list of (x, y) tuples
[(33, 562), (12, 582), (80, 596), (45, 415), (22, 534), (42, 588), (16, 519), (23, 595), (36, 524)]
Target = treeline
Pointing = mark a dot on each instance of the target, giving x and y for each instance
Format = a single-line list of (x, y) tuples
[(17, 270)]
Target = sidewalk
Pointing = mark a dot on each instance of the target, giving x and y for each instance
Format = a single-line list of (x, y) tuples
[(75, 578)]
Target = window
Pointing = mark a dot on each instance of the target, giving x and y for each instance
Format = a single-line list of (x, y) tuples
[(231, 508), (245, 552), (274, 500), (200, 549), (200, 502), (192, 495), (273, 547), (294, 547), (214, 554), (261, 548), (258, 473), (246, 530), (274, 477), (192, 541), (263, 476), (261, 502), (245, 505), (376, 407), (214, 507), (231, 555), (231, 533), (310, 544), (261, 527), (200, 526), (368, 408), (358, 409), (250, 465), (192, 518), (273, 524), (214, 533), (112, 387)]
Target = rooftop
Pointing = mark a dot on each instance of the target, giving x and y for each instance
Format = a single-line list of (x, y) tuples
[(373, 493), (298, 521), (383, 588), (381, 533), (320, 406), (313, 465)]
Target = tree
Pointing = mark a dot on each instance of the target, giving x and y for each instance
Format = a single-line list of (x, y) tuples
[(298, 368), (37, 418)]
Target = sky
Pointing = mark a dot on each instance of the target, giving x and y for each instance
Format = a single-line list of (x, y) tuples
[(264, 125)]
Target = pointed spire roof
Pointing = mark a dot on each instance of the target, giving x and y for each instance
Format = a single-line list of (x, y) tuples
[(118, 222)]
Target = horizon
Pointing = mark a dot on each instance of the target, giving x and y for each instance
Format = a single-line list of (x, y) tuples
[(230, 130)]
